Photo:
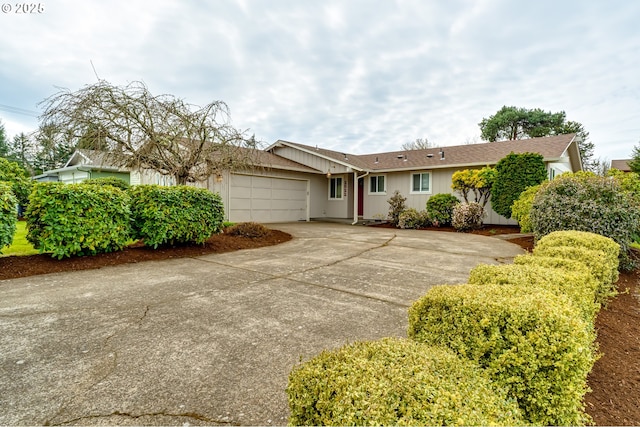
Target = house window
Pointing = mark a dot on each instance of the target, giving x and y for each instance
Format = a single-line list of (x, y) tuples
[(335, 188), (377, 185), (421, 182)]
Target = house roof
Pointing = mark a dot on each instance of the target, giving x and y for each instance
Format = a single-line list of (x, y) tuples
[(552, 148), (621, 164)]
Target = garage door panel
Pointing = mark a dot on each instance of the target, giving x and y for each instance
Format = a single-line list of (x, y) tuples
[(267, 199)]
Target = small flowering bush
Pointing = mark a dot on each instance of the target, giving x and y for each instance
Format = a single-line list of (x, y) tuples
[(396, 207), (467, 216), (413, 218)]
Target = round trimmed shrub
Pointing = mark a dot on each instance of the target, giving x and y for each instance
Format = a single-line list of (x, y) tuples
[(578, 285), (8, 214), (586, 202), (395, 382), (467, 216), (530, 341), (440, 208), (412, 218)]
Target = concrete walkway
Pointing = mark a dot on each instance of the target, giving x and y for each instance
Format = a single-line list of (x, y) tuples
[(211, 340)]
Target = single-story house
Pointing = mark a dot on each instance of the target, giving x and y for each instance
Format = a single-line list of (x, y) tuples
[(299, 182)]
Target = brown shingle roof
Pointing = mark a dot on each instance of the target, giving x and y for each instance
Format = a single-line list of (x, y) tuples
[(551, 148), (620, 164)]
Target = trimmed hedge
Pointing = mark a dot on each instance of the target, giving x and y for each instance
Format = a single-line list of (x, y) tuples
[(578, 285), (603, 269), (582, 239), (77, 219), (108, 180), (395, 382), (530, 341), (170, 215), (8, 214)]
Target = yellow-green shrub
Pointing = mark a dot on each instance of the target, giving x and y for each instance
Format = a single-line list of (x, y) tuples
[(530, 341), (601, 266), (395, 382), (582, 239), (578, 285)]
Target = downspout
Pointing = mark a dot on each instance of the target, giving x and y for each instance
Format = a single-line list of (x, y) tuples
[(355, 195)]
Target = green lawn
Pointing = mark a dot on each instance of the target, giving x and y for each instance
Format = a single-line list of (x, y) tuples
[(20, 244)]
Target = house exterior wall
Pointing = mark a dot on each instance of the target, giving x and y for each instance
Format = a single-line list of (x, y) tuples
[(120, 175), (376, 205)]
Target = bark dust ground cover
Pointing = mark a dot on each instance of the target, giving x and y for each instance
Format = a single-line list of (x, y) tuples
[(614, 380)]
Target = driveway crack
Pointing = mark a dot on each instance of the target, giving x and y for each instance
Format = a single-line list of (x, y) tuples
[(190, 415)]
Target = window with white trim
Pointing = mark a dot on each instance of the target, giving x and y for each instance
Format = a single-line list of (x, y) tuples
[(377, 184), (335, 188), (421, 182)]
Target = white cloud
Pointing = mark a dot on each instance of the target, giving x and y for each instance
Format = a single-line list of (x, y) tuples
[(357, 76)]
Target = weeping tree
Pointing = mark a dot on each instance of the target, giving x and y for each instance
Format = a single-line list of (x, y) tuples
[(157, 132)]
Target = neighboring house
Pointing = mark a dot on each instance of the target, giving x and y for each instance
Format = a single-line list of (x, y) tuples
[(299, 182), (82, 165), (621, 165)]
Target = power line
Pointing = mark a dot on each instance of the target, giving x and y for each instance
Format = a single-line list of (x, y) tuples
[(16, 110)]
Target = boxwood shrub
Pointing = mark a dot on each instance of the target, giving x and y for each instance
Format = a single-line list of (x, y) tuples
[(582, 239), (395, 382), (530, 341), (440, 208), (77, 219), (170, 215), (604, 270), (578, 285), (8, 214)]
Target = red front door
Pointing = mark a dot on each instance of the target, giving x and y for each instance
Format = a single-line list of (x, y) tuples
[(361, 197)]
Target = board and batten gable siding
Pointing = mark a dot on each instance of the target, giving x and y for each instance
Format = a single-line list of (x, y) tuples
[(311, 160)]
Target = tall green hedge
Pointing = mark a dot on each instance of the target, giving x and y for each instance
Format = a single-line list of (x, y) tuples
[(170, 215), (395, 382), (8, 214), (515, 173), (77, 219), (530, 341)]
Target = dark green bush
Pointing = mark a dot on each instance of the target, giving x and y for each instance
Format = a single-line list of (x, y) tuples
[(440, 208), (170, 215), (8, 214), (585, 202), (251, 230), (77, 219), (515, 173), (395, 382), (111, 180), (530, 341)]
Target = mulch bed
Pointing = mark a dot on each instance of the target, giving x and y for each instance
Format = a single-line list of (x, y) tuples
[(614, 380)]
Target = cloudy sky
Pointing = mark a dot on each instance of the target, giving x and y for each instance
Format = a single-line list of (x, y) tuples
[(355, 76)]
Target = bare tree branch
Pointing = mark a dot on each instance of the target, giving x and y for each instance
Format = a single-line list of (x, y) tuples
[(143, 131)]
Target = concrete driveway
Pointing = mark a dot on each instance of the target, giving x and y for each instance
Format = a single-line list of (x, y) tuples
[(211, 340)]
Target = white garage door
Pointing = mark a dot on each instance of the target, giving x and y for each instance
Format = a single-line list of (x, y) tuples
[(266, 199)]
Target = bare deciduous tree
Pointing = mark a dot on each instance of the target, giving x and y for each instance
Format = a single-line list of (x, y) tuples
[(418, 144), (143, 131)]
